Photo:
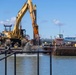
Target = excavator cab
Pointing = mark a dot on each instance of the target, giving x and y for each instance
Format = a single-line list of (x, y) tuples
[(7, 27), (23, 33)]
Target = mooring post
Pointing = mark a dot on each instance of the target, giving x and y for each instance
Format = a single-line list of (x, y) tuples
[(14, 63)]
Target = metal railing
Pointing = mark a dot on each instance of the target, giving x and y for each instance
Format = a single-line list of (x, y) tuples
[(8, 53)]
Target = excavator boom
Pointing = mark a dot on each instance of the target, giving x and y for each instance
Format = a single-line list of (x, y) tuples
[(18, 19), (27, 6)]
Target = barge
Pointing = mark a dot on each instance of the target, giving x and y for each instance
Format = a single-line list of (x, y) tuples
[(65, 51)]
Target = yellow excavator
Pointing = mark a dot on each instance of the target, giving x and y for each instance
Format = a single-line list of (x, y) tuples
[(16, 35)]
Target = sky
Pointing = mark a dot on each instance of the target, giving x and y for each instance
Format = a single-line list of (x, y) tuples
[(53, 17)]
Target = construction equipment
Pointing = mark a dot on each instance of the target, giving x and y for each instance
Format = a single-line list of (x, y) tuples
[(16, 35)]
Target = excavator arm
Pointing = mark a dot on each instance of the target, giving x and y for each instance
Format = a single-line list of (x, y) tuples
[(21, 13), (32, 8), (32, 11)]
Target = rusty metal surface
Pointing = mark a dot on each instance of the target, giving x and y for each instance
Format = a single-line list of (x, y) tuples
[(65, 51)]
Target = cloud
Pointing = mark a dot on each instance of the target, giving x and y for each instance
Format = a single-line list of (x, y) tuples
[(1, 22), (12, 20), (44, 21), (8, 21), (57, 22)]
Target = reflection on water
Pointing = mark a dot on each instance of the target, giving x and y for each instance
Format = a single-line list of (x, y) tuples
[(44, 65), (61, 65), (25, 65), (64, 65)]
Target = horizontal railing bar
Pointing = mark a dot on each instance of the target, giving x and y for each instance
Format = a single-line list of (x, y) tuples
[(4, 51), (7, 56), (21, 51), (17, 52)]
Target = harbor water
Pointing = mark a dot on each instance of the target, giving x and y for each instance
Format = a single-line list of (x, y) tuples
[(27, 65)]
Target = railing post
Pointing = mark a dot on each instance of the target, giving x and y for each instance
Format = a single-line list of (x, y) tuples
[(14, 63), (5, 63), (7, 55), (38, 63), (51, 63)]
